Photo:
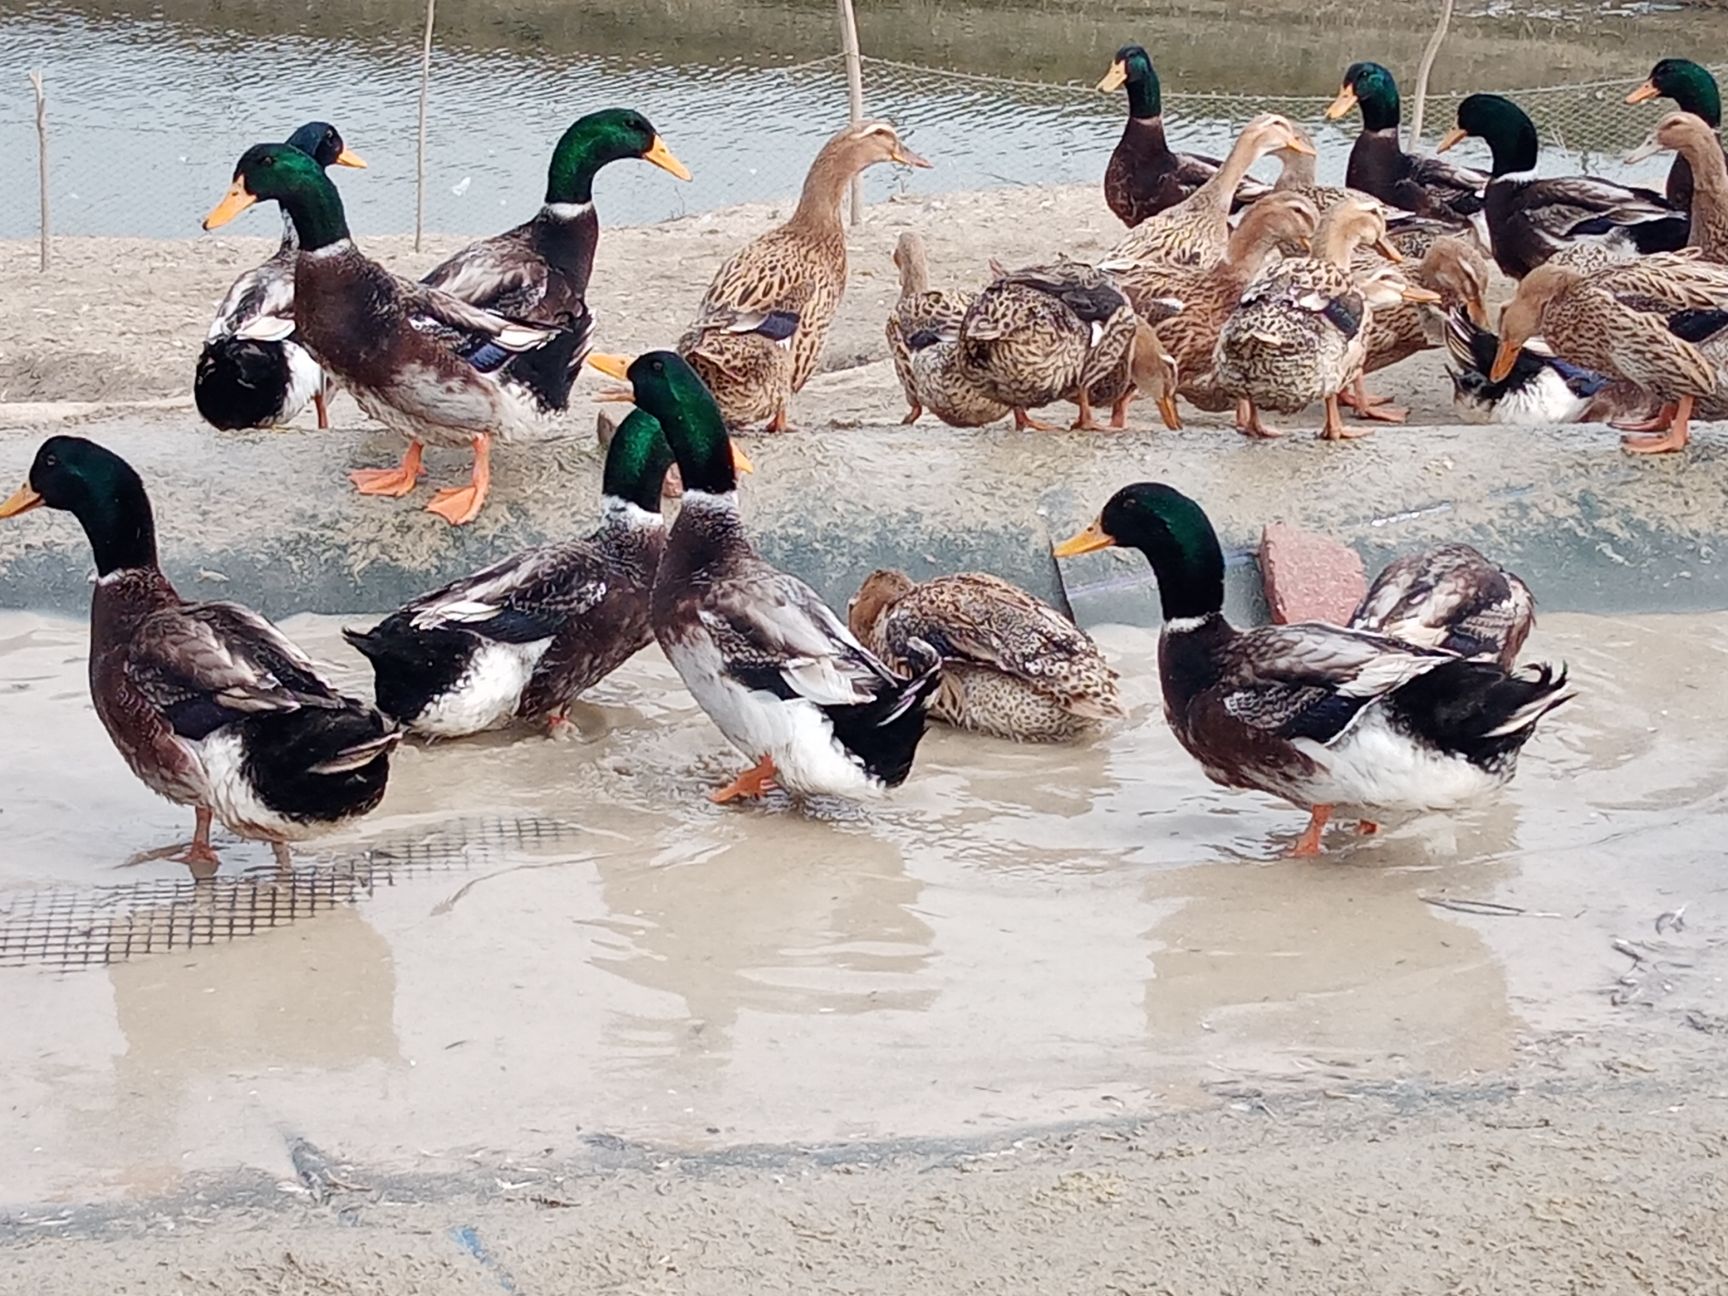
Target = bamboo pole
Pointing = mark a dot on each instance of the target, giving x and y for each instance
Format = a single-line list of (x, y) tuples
[(420, 150), (1428, 57), (854, 91), (42, 162)]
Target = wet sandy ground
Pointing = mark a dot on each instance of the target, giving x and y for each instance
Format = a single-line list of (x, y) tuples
[(563, 939)]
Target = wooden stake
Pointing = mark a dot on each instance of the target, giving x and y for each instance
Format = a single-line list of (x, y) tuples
[(42, 161), (420, 151), (854, 91), (1428, 57)]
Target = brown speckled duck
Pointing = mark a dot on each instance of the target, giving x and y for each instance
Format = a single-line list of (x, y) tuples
[(924, 340), (1453, 598), (1707, 179), (797, 270)]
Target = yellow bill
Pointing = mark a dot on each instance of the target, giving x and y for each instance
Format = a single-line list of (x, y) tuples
[(613, 366), (1345, 101), (1296, 144), (23, 500), (236, 200), (1477, 310), (740, 460), (1416, 293), (1171, 415), (1504, 359), (1642, 93), (1386, 248), (1451, 138), (349, 158), (661, 156), (1092, 538), (1115, 78), (906, 157)]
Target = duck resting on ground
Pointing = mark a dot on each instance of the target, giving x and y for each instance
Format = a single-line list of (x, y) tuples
[(209, 704), (1328, 718), (1012, 667), (421, 362), (1144, 177), (1530, 218), (537, 273), (779, 674), (522, 638), (759, 332), (244, 381), (1423, 186), (1695, 91)]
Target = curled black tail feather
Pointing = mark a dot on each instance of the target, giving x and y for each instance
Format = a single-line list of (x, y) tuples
[(1478, 711), (285, 750), (884, 732)]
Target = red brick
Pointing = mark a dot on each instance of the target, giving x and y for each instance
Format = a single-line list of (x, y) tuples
[(1309, 577)]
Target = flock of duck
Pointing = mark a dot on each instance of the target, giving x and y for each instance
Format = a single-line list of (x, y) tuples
[(1225, 292)]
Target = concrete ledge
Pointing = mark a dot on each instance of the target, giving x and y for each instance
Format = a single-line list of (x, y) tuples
[(1591, 528)]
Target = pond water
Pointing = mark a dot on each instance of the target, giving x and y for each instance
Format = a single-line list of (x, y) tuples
[(536, 940), (153, 100)]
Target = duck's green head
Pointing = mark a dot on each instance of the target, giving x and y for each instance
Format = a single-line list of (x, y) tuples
[(636, 462), (1175, 535), (663, 385), (609, 135), (101, 490), (1507, 128), (285, 174), (1687, 84), (1132, 67), (1370, 87), (323, 143)]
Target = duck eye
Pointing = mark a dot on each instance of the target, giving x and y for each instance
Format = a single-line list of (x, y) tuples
[(50, 461)]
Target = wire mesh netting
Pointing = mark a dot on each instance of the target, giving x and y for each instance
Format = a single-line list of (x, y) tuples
[(142, 143)]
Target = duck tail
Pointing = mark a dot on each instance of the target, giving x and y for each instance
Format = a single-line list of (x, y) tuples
[(319, 764), (884, 732), (1479, 711), (549, 370), (241, 383)]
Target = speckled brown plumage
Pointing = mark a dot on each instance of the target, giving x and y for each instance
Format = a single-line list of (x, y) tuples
[(923, 333), (1451, 597)]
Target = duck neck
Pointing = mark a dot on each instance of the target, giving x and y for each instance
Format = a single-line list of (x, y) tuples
[(824, 188), (1709, 172), (1221, 188), (316, 213), (1190, 572), (576, 160), (1145, 95), (121, 527), (1514, 144), (1337, 242), (914, 271), (1298, 169), (1380, 109)]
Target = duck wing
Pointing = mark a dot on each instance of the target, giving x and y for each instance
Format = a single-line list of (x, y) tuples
[(263, 295), (500, 274), (523, 598), (1450, 597)]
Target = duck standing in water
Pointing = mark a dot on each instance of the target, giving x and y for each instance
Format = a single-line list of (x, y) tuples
[(209, 704), (775, 669), (1330, 719), (246, 381)]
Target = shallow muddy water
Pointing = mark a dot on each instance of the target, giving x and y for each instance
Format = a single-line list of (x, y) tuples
[(541, 940)]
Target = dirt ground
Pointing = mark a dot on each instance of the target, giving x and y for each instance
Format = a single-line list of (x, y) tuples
[(120, 320)]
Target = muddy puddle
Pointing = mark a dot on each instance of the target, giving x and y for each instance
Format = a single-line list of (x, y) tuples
[(535, 941)]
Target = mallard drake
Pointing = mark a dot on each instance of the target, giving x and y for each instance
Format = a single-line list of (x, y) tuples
[(1328, 718), (1210, 293), (522, 638), (924, 339), (1621, 323), (1425, 186), (779, 674), (537, 273), (1707, 179), (244, 381), (209, 704), (1012, 667), (1457, 274), (1048, 333), (1530, 219), (1301, 330), (1450, 597), (418, 360), (797, 268), (1197, 230), (1144, 177), (1539, 389), (1696, 92)]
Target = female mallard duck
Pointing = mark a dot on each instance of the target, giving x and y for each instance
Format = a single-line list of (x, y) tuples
[(1424, 186), (1144, 177), (209, 704), (419, 361), (244, 381), (1197, 230), (1327, 718), (522, 638), (1623, 323), (1707, 179), (1301, 331), (1539, 389), (924, 340), (1210, 293), (1048, 333), (537, 273), (1450, 597), (797, 269), (1696, 92), (780, 675), (1012, 667), (1530, 219), (1457, 274)]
